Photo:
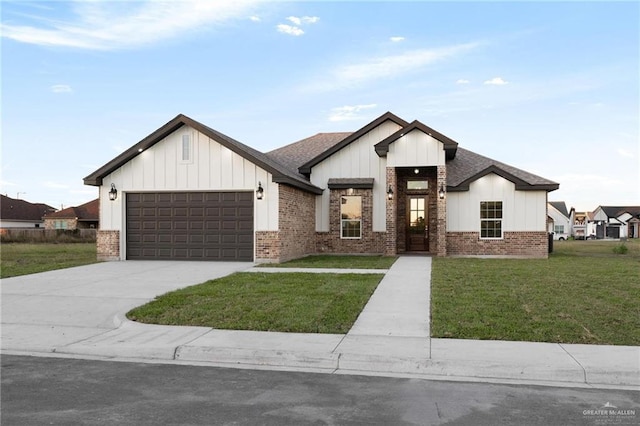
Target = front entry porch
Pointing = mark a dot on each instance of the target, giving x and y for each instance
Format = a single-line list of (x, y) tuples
[(416, 215)]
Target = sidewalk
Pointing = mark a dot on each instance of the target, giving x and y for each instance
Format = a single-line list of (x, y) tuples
[(390, 337)]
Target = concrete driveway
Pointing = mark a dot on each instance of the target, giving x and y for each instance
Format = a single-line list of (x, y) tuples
[(43, 311)]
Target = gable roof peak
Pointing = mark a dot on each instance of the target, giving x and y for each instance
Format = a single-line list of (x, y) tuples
[(305, 169), (450, 146)]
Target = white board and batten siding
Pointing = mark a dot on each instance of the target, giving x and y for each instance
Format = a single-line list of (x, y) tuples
[(416, 149), (211, 167), (356, 160), (522, 210)]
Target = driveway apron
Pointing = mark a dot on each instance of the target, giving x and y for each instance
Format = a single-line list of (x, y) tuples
[(42, 312)]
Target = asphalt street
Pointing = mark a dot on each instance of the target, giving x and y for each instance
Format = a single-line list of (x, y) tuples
[(63, 391)]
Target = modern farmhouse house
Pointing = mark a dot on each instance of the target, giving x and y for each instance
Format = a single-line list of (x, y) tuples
[(187, 191)]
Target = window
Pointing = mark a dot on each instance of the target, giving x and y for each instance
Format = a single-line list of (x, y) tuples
[(491, 219), (60, 224), (559, 229), (417, 184), (186, 149), (351, 216)]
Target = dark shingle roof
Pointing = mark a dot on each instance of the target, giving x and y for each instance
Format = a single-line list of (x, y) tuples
[(615, 211), (560, 206), (292, 163), (296, 154), (15, 209), (468, 166), (86, 212)]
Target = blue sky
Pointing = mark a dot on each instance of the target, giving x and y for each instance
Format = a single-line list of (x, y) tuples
[(552, 88)]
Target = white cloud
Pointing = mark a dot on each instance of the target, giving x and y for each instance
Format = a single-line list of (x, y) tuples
[(4, 183), (625, 153), (462, 81), (54, 185), (396, 39), (255, 18), (288, 29), (496, 81), (295, 29), (61, 88), (101, 25), (380, 67), (348, 112)]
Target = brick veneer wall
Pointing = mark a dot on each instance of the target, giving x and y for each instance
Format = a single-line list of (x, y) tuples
[(297, 210), (529, 244), (371, 242), (108, 245), (267, 247), (296, 222)]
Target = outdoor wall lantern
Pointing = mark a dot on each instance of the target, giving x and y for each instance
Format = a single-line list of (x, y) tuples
[(390, 193), (259, 191), (113, 194), (441, 192)]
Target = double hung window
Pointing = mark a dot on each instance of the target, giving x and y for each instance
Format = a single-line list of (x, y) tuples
[(491, 219)]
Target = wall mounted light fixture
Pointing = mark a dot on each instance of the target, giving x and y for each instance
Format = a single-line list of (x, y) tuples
[(441, 192), (113, 193), (259, 191), (390, 193)]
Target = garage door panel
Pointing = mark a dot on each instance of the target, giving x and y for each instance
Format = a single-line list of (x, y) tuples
[(198, 226)]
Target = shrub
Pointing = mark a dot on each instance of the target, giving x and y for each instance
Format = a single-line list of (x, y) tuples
[(620, 249)]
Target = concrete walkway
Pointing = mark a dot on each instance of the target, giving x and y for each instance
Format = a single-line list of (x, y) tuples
[(79, 312)]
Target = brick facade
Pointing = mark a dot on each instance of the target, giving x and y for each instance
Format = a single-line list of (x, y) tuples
[(297, 210), (108, 245), (296, 220), (528, 244), (390, 241), (331, 242), (267, 248)]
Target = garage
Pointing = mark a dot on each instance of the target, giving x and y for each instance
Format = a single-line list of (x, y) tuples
[(189, 226)]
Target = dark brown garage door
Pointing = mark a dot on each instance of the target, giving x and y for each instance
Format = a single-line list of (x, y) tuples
[(190, 226)]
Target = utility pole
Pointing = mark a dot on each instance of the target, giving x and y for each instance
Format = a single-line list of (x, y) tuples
[(18, 195)]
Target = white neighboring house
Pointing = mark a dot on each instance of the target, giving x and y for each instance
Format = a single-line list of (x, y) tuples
[(561, 220), (617, 221)]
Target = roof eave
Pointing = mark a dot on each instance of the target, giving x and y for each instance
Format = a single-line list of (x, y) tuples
[(286, 180)]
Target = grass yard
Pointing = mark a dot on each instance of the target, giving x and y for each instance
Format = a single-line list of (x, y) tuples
[(25, 258), (287, 302), (337, 261), (584, 293)]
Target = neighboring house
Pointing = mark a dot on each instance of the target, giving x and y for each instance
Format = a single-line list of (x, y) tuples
[(81, 217), (617, 221), (15, 213), (561, 220), (581, 228), (187, 191)]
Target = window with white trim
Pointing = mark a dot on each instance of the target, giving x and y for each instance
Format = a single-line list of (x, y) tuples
[(350, 216), (491, 219), (559, 229)]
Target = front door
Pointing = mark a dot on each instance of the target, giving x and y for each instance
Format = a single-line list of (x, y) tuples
[(417, 223)]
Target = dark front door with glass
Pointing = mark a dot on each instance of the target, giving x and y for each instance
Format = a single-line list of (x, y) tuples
[(417, 220)]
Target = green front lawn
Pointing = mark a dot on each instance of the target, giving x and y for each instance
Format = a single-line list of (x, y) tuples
[(584, 293), (337, 261), (26, 258), (288, 302)]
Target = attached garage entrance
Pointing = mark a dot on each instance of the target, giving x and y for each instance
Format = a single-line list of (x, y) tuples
[(190, 226)]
